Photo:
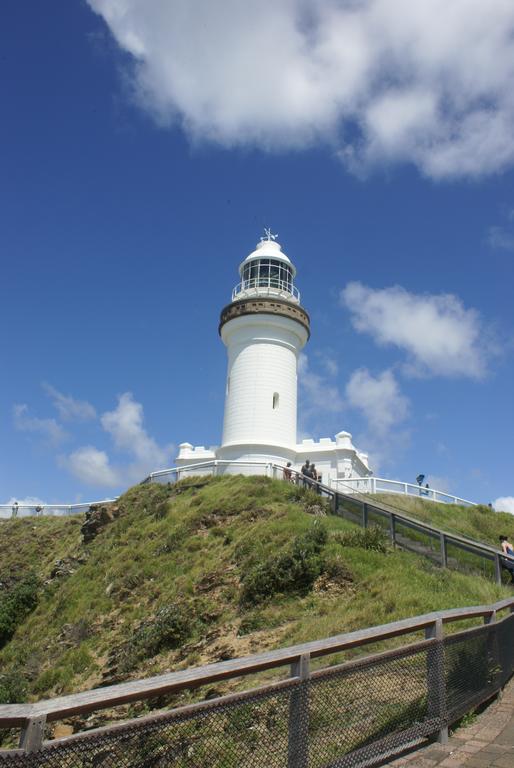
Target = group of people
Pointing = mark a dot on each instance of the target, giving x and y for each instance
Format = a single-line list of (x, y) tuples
[(308, 476), (16, 507)]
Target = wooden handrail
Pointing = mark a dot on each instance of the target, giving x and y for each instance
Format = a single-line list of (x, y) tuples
[(16, 715)]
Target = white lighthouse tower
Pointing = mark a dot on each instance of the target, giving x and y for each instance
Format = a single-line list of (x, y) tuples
[(264, 329)]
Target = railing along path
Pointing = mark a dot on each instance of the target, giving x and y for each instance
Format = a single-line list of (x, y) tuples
[(348, 715), (314, 717)]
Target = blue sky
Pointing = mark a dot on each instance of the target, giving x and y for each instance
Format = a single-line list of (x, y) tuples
[(145, 147)]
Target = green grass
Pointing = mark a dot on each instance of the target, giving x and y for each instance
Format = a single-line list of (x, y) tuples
[(165, 586), (480, 522)]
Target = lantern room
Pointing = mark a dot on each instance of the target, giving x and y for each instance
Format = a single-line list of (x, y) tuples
[(267, 271)]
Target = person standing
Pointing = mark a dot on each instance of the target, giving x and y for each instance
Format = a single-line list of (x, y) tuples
[(306, 473), (508, 550), (316, 477), (15, 509)]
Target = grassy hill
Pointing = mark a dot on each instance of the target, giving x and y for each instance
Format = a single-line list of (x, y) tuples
[(480, 522), (202, 571)]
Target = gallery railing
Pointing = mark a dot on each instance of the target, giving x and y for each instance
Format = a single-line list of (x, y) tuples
[(355, 713)]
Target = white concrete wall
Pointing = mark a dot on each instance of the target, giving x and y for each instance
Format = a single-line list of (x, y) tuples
[(262, 360)]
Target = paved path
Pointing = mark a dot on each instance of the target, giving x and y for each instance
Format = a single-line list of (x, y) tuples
[(487, 742)]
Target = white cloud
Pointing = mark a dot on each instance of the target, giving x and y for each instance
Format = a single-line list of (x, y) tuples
[(319, 398), (49, 429), (319, 394), (504, 504), (427, 82), (92, 466), (68, 408), (384, 408), (501, 238), (125, 425), (378, 398), (440, 336)]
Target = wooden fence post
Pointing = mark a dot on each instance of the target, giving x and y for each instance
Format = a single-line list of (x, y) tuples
[(298, 730), (436, 685), (365, 515), (32, 734)]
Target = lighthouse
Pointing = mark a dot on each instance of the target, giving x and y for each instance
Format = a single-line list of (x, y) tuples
[(264, 328)]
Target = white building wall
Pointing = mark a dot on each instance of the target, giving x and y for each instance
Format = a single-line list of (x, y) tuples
[(262, 363)]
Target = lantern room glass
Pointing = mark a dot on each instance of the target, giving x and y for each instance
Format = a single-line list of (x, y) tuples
[(267, 273)]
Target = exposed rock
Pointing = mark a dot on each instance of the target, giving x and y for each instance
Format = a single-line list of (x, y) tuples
[(98, 517), (71, 635), (66, 567)]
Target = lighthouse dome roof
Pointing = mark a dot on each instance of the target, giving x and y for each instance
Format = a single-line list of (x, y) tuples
[(268, 249)]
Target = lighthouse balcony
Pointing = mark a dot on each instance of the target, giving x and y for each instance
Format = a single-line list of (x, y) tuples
[(278, 289)]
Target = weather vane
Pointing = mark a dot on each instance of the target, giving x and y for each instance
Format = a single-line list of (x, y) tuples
[(268, 235)]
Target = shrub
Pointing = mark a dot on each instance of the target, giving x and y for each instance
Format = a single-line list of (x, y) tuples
[(252, 622), (16, 604), (292, 572), (13, 688), (171, 626), (373, 538)]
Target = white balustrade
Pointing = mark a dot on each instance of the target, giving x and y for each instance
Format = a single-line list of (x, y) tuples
[(225, 467)]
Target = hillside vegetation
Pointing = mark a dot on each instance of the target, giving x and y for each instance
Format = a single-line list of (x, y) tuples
[(205, 570), (479, 522)]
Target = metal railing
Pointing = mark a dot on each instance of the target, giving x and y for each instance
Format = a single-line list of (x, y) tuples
[(362, 485), (445, 548), (31, 510), (351, 714), (260, 287), (383, 485)]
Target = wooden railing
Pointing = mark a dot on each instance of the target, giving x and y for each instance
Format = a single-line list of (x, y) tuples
[(32, 718)]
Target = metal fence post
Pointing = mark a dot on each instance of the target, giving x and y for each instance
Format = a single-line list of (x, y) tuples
[(436, 684), (493, 652), (444, 550), (32, 735), (298, 728), (364, 514), (497, 569), (392, 528)]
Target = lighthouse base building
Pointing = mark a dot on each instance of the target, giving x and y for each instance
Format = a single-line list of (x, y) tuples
[(264, 329)]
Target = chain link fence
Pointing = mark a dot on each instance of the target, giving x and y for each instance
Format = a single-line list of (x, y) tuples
[(351, 715)]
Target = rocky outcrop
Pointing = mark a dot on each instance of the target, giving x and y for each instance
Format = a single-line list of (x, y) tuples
[(98, 517)]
